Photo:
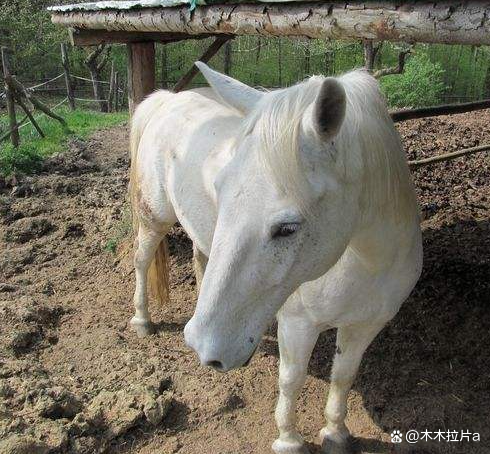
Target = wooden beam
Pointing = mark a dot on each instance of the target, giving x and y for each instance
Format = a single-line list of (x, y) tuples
[(81, 37), (449, 22), (141, 72), (205, 57), (434, 111)]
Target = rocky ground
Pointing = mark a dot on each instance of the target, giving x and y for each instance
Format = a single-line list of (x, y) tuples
[(75, 379)]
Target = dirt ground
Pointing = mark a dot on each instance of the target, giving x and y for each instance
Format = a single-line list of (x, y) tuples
[(75, 379)]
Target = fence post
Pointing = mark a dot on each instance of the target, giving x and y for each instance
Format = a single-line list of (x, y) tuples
[(110, 103), (66, 68), (14, 127)]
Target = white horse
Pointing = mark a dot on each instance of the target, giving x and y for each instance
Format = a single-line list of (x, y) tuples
[(300, 205)]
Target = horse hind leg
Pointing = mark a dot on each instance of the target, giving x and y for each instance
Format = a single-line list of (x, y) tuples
[(146, 244), (352, 342)]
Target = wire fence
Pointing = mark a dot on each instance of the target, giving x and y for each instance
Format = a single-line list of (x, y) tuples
[(116, 93)]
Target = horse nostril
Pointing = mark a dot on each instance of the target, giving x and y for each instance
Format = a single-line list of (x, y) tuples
[(218, 365)]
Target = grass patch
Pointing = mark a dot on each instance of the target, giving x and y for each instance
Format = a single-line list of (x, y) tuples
[(120, 232), (27, 158)]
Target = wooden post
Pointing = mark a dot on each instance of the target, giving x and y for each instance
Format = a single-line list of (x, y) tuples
[(141, 72), (19, 88), (14, 127), (205, 57), (29, 115), (66, 68), (110, 97), (116, 91)]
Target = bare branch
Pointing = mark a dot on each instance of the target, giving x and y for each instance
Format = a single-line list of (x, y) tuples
[(394, 69), (447, 156)]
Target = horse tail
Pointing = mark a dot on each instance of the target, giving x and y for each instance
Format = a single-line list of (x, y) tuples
[(158, 276)]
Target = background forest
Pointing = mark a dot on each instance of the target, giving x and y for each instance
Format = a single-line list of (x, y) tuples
[(433, 73)]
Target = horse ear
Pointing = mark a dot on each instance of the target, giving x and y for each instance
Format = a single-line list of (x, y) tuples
[(329, 109), (231, 91)]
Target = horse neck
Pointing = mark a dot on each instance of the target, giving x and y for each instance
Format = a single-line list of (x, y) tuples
[(388, 219)]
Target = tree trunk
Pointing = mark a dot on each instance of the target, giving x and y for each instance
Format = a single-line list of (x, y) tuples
[(95, 62), (328, 62), (369, 54), (257, 59), (227, 66), (95, 75), (279, 59), (164, 66), (307, 61)]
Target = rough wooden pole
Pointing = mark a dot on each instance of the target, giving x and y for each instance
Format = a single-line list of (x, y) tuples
[(205, 57), (19, 124), (448, 22), (141, 72), (14, 127), (68, 82), (29, 115)]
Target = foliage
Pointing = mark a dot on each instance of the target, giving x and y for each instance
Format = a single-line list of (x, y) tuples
[(27, 158), (421, 84), (26, 28)]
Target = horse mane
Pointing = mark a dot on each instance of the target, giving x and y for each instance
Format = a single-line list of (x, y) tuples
[(366, 149)]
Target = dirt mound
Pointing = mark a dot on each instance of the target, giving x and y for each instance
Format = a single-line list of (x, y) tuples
[(75, 379)]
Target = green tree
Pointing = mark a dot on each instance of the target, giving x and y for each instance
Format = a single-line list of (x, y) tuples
[(421, 84)]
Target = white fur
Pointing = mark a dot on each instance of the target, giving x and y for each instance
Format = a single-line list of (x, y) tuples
[(231, 176)]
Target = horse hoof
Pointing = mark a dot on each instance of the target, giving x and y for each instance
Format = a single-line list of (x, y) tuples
[(289, 447), (142, 328), (335, 443)]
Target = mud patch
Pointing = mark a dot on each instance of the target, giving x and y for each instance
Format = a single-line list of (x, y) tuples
[(75, 379)]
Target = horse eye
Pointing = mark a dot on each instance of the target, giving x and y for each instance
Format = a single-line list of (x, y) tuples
[(287, 229)]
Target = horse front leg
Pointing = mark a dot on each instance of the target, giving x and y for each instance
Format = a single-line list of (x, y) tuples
[(352, 342), (146, 244), (200, 262), (296, 337)]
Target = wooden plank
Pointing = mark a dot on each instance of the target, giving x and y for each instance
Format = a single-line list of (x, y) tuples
[(81, 37), (450, 21), (205, 57), (141, 72)]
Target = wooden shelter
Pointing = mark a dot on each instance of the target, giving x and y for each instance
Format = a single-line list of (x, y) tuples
[(141, 23)]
